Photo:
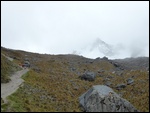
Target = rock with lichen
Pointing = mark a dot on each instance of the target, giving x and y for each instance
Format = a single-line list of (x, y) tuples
[(101, 98)]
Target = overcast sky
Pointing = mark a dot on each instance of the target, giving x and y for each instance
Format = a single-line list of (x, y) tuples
[(57, 27)]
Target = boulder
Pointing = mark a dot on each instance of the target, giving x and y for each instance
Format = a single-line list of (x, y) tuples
[(90, 76), (129, 81), (101, 98)]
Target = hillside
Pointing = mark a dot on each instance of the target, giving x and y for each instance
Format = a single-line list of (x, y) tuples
[(7, 69), (134, 63), (54, 83)]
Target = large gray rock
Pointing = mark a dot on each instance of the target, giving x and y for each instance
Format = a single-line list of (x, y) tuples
[(101, 98), (90, 76)]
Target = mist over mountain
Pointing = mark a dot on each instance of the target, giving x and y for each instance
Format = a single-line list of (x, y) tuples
[(103, 47), (65, 27), (100, 48)]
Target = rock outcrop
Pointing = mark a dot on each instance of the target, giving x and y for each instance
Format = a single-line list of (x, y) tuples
[(101, 98)]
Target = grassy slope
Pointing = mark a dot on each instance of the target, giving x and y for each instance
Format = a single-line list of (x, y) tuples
[(57, 88), (7, 68)]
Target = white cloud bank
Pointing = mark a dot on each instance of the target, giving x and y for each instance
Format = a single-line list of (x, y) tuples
[(57, 27)]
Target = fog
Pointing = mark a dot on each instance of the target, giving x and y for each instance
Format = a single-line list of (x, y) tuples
[(57, 27)]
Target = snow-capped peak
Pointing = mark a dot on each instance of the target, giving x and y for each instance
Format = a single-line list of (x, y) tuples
[(97, 48), (102, 47)]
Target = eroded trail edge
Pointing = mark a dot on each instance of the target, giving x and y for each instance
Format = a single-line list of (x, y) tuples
[(9, 88)]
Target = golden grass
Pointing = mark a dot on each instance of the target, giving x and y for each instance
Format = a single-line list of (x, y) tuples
[(57, 87)]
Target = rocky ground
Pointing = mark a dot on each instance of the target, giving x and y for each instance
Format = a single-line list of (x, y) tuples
[(55, 82)]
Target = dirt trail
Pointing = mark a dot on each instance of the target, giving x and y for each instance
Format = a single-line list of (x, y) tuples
[(11, 59), (10, 87)]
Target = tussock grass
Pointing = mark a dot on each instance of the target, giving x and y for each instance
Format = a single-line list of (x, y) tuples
[(57, 87)]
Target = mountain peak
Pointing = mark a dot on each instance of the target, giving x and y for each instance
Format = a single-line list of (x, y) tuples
[(99, 41), (96, 48), (102, 47)]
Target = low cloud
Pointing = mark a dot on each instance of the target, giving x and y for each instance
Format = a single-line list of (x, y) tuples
[(62, 27)]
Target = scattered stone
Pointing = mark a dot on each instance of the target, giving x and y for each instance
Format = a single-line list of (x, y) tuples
[(73, 69), (132, 76), (113, 72), (120, 86), (101, 72), (101, 98), (129, 81), (110, 77), (43, 97), (106, 79), (16, 58), (119, 73), (75, 88), (108, 83)]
